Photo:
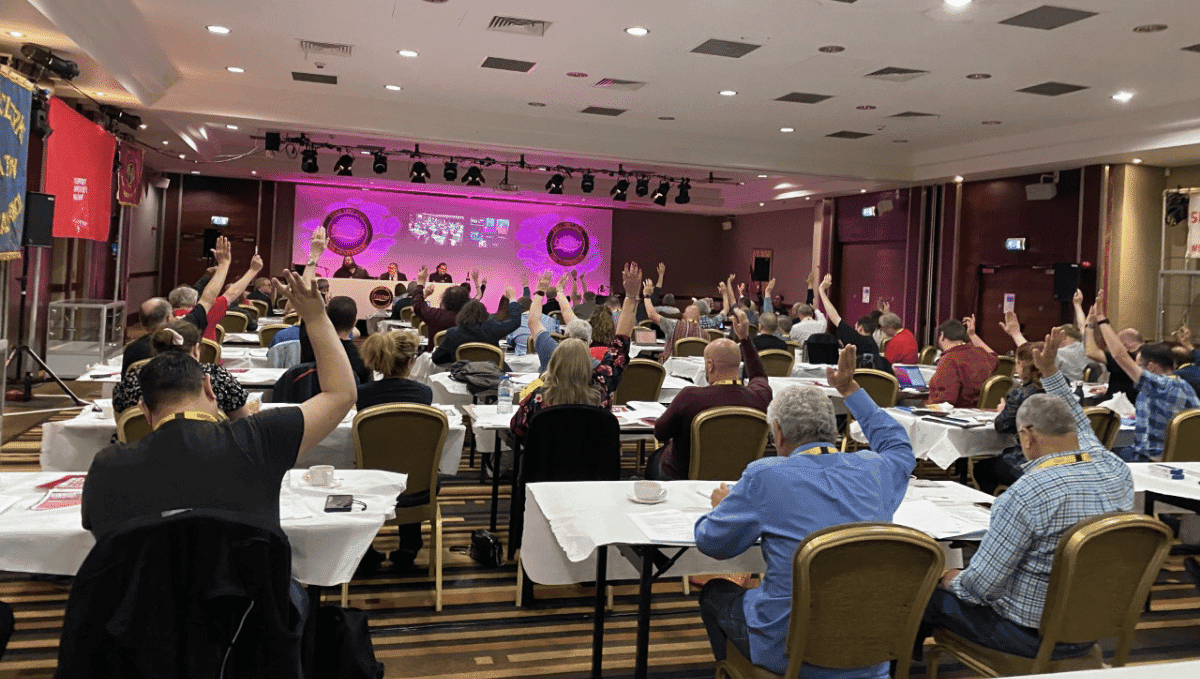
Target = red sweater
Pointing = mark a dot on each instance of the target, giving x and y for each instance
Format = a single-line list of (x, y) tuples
[(902, 348), (960, 375)]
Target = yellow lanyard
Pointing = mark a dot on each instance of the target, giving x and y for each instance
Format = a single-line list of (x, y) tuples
[(820, 450), (737, 383), (196, 415), (1059, 461)]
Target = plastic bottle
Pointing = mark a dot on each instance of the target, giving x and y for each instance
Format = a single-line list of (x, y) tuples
[(504, 396)]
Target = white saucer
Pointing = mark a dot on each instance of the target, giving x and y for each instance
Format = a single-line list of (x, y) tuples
[(306, 484), (636, 499)]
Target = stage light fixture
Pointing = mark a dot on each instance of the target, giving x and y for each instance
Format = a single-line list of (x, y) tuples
[(308, 161), (473, 176), (343, 166), (618, 191), (49, 61), (642, 187), (419, 173), (380, 162), (587, 183), (684, 197), (660, 194), (554, 185), (450, 171)]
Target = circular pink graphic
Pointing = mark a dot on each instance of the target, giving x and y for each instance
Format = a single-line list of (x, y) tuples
[(348, 231), (567, 243)]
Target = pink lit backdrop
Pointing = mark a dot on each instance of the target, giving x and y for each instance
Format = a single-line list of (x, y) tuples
[(415, 230)]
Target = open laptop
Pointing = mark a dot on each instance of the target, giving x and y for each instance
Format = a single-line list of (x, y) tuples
[(910, 377)]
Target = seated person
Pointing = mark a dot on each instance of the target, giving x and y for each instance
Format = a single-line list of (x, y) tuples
[(439, 275), (668, 305), (1072, 359), (264, 291), (808, 317), (474, 325), (603, 332), (780, 500), (721, 368), (997, 602), (1097, 349), (519, 338), (343, 313), (768, 333), (392, 274), (1189, 355), (544, 344), (673, 329), (901, 346), (708, 320), (404, 298), (965, 365), (350, 269), (1007, 467), (446, 314), (588, 306), (183, 337), (860, 335), (613, 306)]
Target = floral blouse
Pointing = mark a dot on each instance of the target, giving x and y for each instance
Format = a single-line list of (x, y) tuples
[(607, 375), (231, 395)]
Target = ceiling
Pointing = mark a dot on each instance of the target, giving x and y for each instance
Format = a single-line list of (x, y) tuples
[(156, 58)]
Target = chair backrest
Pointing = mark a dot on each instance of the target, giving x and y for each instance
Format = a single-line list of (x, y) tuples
[(883, 388), (1005, 365), (1118, 554), (210, 351), (557, 336), (713, 334), (858, 592), (641, 381), (821, 348), (752, 330), (725, 440), (556, 315), (1105, 423), (219, 334), (572, 443), (424, 429), (234, 321), (291, 318), (480, 351), (1092, 372), (529, 347), (928, 355), (994, 389), (297, 384), (797, 349), (132, 425), (647, 324), (137, 365), (249, 311), (268, 332), (1182, 442), (777, 362), (262, 307), (437, 339), (406, 314), (690, 346)]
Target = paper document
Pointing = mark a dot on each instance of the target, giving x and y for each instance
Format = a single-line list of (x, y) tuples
[(293, 508), (7, 501), (669, 526), (943, 518)]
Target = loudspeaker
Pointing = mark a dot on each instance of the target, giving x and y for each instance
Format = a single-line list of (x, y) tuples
[(272, 141), (39, 220), (1066, 281), (762, 269), (210, 242)]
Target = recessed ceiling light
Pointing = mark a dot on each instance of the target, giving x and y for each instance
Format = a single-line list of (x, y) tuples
[(728, 93), (537, 104), (365, 153), (957, 3), (219, 30), (991, 122), (235, 69), (16, 34), (143, 126), (253, 171), (787, 129), (862, 190), (165, 142), (394, 88), (762, 176), (181, 156), (195, 171), (576, 74), (808, 198), (638, 31), (865, 107), (231, 127), (785, 185), (979, 76), (831, 49), (958, 179), (1123, 96), (1150, 28), (761, 204), (666, 117), (409, 53), (1137, 161), (98, 94)]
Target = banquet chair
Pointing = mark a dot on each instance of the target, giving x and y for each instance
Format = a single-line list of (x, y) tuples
[(234, 321), (406, 314), (777, 362), (712, 334), (263, 308), (752, 331), (994, 388), (858, 592), (268, 332), (529, 348), (480, 351), (797, 349), (1092, 372), (642, 380), (375, 447), (1105, 424), (1005, 365), (132, 425), (647, 324), (690, 346), (137, 365), (564, 443), (725, 440), (247, 310), (556, 315), (219, 334), (821, 348), (210, 351), (928, 355), (1182, 442), (882, 387), (291, 318), (1119, 554), (437, 339)]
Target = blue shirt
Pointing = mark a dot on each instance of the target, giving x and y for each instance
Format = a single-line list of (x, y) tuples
[(286, 335), (520, 336), (783, 499), (1011, 571), (1160, 398)]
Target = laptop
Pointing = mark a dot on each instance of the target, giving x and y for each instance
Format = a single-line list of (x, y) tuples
[(910, 377)]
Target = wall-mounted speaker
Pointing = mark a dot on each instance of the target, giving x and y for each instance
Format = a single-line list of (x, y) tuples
[(39, 220), (1066, 281), (762, 269)]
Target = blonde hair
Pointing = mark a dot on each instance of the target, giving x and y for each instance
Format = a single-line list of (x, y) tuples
[(390, 353), (568, 376), (603, 330)]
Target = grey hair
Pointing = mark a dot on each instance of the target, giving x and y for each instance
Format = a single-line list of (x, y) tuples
[(183, 297), (1046, 414), (580, 329), (702, 306), (889, 321), (804, 415), (768, 323), (804, 310)]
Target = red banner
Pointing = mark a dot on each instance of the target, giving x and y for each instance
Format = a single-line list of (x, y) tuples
[(79, 165), (129, 175)]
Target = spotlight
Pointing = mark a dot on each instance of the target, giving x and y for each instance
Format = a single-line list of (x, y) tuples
[(473, 176), (419, 173), (660, 194), (380, 162), (618, 190), (587, 183), (555, 184), (685, 185), (643, 187), (126, 119), (450, 171), (308, 161), (342, 167), (47, 59)]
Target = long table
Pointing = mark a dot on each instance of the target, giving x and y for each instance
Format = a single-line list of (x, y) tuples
[(1183, 493)]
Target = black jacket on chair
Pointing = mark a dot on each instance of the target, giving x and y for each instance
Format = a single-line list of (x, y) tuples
[(168, 597)]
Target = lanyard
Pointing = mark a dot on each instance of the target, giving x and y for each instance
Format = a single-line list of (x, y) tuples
[(736, 383), (820, 450), (196, 415), (1059, 461)]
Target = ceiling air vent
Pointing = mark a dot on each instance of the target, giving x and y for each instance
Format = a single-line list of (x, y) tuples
[(508, 64), (1192, 48), (314, 78), (914, 114), (845, 134), (725, 48), (804, 98), (602, 111), (1048, 17), (516, 25), (896, 74), (325, 49), (622, 85), (1052, 89)]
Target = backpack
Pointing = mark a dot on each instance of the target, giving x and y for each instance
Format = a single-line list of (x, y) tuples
[(479, 376), (343, 645)]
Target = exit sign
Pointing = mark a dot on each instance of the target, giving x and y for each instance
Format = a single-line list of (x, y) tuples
[(219, 221)]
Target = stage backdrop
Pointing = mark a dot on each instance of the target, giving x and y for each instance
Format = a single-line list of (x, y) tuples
[(500, 238)]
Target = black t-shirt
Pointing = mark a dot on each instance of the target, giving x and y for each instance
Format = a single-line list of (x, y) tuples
[(234, 465), (393, 390), (1118, 381), (361, 372), (865, 344), (764, 342), (141, 348), (551, 305)]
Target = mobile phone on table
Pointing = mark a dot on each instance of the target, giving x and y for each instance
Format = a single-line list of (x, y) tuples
[(338, 503)]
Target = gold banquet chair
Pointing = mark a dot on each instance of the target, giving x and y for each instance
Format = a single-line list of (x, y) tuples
[(424, 431), (994, 388), (291, 318), (267, 333), (132, 425), (1105, 424), (210, 351), (724, 441), (858, 593), (777, 362), (1005, 365), (1117, 554), (437, 338), (262, 307), (690, 346), (234, 321), (480, 351), (219, 334), (882, 387), (712, 334), (1182, 442), (642, 380), (928, 355), (137, 365)]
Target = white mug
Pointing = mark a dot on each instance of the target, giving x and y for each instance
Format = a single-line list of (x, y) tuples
[(648, 490), (320, 475)]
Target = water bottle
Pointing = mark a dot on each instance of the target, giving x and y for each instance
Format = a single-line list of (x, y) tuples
[(504, 396)]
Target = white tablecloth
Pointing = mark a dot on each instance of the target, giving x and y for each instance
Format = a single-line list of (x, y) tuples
[(326, 547), (943, 444), (692, 368), (239, 338), (233, 358), (1187, 487)]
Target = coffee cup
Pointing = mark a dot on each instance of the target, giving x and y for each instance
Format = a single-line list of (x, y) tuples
[(320, 475), (648, 490)]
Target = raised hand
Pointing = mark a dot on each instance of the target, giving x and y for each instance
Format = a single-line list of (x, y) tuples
[(221, 252), (1043, 359), (662, 269), (1184, 335), (524, 279), (1010, 325), (741, 324), (1100, 305), (307, 301), (630, 276), (884, 306), (842, 377), (969, 321), (826, 282), (429, 290), (562, 282), (317, 244), (741, 289), (1077, 298), (770, 287), (483, 283), (423, 275), (812, 278), (475, 276), (508, 291), (256, 263), (575, 274), (647, 288)]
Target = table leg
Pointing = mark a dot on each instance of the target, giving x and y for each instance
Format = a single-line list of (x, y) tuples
[(1148, 503), (495, 480), (642, 660), (598, 615), (309, 638)]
